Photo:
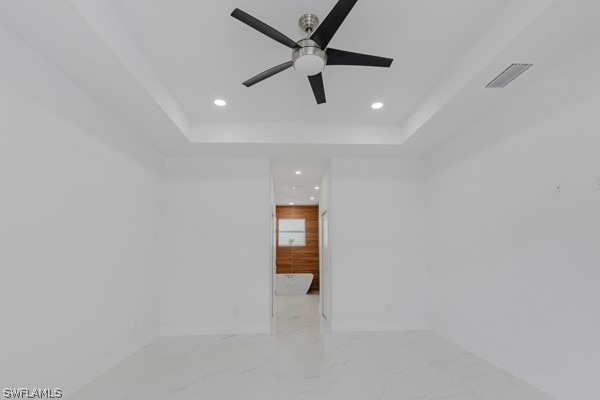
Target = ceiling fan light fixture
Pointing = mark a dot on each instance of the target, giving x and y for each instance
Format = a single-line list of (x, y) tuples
[(309, 60)]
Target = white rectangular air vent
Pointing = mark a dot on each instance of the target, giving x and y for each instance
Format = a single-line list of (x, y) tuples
[(508, 75)]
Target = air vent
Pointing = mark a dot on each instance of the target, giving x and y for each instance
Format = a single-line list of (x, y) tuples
[(508, 75)]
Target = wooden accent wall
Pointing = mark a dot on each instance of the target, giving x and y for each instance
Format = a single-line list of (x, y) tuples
[(300, 259)]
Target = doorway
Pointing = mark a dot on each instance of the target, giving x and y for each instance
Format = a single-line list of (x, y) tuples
[(296, 299), (296, 188)]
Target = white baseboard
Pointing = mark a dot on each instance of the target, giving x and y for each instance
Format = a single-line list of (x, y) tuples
[(240, 329), (100, 367), (379, 326)]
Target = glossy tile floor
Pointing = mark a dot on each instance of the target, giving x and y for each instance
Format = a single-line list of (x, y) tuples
[(301, 361)]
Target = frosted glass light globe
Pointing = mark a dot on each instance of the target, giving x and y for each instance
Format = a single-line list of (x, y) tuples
[(309, 64)]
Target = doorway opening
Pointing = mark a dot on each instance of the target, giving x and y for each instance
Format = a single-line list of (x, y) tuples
[(297, 288), (297, 272)]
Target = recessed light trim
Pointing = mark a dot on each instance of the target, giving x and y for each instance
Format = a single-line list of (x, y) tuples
[(291, 203), (317, 188), (298, 172), (220, 103), (377, 106), (312, 198)]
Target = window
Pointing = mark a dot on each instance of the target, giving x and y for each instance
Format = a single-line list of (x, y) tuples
[(292, 232)]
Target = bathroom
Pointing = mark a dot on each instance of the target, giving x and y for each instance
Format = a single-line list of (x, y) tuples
[(300, 245), (296, 283), (297, 252)]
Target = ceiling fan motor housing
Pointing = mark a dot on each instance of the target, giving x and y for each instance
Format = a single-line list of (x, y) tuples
[(309, 59)]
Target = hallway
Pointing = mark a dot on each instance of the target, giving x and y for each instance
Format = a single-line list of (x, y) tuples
[(302, 361)]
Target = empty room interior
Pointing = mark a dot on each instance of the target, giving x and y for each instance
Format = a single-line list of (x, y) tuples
[(309, 200)]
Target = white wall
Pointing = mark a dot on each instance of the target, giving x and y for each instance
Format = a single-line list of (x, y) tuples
[(325, 188), (515, 267), (378, 244), (80, 201), (217, 246)]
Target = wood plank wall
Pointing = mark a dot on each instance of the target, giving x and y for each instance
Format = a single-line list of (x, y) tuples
[(300, 259)]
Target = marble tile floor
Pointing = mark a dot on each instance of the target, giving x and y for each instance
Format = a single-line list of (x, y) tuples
[(302, 361)]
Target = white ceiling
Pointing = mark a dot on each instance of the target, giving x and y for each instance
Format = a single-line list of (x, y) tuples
[(159, 65), (202, 53), (290, 187)]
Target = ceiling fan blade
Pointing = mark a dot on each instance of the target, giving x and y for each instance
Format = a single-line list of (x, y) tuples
[(268, 73), (332, 22), (263, 28), (342, 57), (316, 82)]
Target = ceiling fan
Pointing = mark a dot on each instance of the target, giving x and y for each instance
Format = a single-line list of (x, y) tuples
[(311, 55)]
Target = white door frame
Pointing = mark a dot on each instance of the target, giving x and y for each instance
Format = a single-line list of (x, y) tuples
[(324, 273), (273, 267)]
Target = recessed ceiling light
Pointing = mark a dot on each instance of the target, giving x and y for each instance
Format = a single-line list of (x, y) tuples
[(317, 188), (298, 172), (312, 198), (376, 106), (220, 103), (291, 203)]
